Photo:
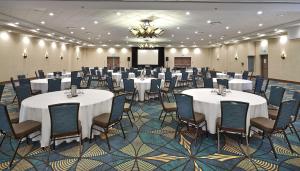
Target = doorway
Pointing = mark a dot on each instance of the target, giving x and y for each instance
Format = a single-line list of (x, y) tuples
[(251, 63), (264, 65), (113, 62)]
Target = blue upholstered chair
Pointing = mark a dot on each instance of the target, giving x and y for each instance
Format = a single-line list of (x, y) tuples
[(26, 82), (154, 88), (108, 120), (88, 82), (168, 69), (41, 74), (170, 89), (167, 108), (155, 74), (245, 75), (1, 90), (233, 119), (74, 74), (96, 68), (148, 72), (259, 80), (17, 131), (208, 82), (187, 116), (125, 75), (128, 103), (296, 97), (184, 79), (274, 101), (265, 87), (195, 71), (22, 92), (282, 122), (57, 73), (231, 74), (76, 81), (93, 72), (111, 87), (128, 85), (21, 77), (213, 74), (54, 85), (64, 122), (223, 82), (194, 81), (168, 76)]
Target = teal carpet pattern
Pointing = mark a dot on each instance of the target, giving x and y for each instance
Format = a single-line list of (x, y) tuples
[(150, 146)]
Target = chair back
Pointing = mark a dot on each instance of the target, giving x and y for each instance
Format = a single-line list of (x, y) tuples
[(185, 110), (110, 83), (5, 123), (208, 82), (89, 81), (36, 75), (93, 72), (259, 80), (172, 84), (54, 85), (64, 119), (41, 74), (155, 74), (276, 95), (195, 71), (184, 76), (168, 76), (76, 81), (223, 82), (285, 112), (158, 70), (13, 83), (194, 81), (109, 74), (104, 71), (24, 81), (21, 77), (125, 75), (234, 115), (182, 70), (245, 75), (96, 68), (57, 73), (155, 85), (131, 69), (213, 74), (231, 74), (74, 74), (296, 97), (117, 108), (128, 85), (1, 90), (22, 92), (265, 85), (122, 69), (148, 72), (168, 69), (137, 73)]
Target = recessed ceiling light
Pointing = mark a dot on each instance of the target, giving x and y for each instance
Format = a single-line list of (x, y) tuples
[(82, 28), (221, 38), (12, 25), (173, 35), (43, 22), (187, 38), (201, 39), (49, 34), (187, 13), (38, 29), (62, 38), (33, 30), (261, 35), (181, 42), (208, 21), (72, 32), (108, 33), (260, 24), (51, 14), (117, 45), (177, 28), (104, 45), (196, 32), (227, 27), (95, 22), (181, 45), (89, 38), (169, 45), (259, 12), (8, 31), (16, 23), (246, 38), (239, 32), (53, 33), (210, 35), (118, 13)]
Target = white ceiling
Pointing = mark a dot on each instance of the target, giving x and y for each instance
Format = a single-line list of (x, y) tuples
[(168, 15)]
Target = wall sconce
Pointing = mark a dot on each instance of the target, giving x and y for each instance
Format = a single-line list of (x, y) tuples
[(25, 53), (46, 55), (242, 63), (61, 57), (236, 57), (283, 56)]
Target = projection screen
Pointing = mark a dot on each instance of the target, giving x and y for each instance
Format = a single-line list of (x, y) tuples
[(147, 56)]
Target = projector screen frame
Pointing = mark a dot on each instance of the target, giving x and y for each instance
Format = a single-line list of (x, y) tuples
[(161, 57)]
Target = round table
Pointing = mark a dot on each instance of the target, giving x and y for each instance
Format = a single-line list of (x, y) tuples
[(223, 75), (236, 84), (42, 84), (66, 74), (118, 76), (208, 103), (142, 86), (92, 103)]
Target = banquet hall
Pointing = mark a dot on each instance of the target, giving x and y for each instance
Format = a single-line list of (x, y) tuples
[(150, 85)]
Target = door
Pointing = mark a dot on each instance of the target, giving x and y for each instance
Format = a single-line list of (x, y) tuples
[(250, 63), (113, 62), (264, 65)]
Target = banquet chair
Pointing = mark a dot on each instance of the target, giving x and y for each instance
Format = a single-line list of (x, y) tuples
[(184, 79), (131, 69), (187, 116), (137, 73), (154, 88), (223, 82), (76, 81), (233, 119), (168, 69), (279, 125), (108, 120), (26, 81), (17, 131), (88, 83), (111, 87), (74, 74), (96, 68), (170, 89), (41, 74), (21, 77), (125, 75), (101, 79), (128, 105), (129, 88), (22, 92), (54, 85), (259, 80), (93, 72), (1, 90), (208, 83), (245, 75), (194, 81), (213, 74), (167, 108), (294, 117), (109, 74), (155, 74), (148, 72), (265, 88), (274, 100), (64, 123), (14, 88), (57, 73), (122, 69), (168, 77), (36, 75), (231, 74)]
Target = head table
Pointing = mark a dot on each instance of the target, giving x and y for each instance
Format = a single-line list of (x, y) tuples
[(92, 103), (208, 103), (42, 84)]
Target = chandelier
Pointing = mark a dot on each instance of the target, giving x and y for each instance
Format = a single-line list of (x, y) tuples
[(146, 30), (146, 46)]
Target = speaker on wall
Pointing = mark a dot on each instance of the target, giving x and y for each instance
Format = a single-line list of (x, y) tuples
[(167, 58), (128, 59)]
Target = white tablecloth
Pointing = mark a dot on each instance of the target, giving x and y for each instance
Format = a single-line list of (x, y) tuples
[(223, 75), (118, 76), (42, 84), (92, 103), (66, 74), (208, 103), (142, 86), (236, 84)]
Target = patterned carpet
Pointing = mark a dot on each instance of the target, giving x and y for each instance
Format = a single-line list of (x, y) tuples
[(148, 146)]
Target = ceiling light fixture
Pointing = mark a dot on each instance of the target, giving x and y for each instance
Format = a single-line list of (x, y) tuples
[(239, 32), (187, 13), (12, 25), (96, 22), (177, 28), (260, 25), (72, 32), (208, 21), (146, 30), (259, 12), (118, 13), (145, 45), (51, 14), (108, 33), (43, 22), (227, 27), (210, 35), (82, 28)]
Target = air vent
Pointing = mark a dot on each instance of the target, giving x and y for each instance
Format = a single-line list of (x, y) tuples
[(71, 28), (215, 22)]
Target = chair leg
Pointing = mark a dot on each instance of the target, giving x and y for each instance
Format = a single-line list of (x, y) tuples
[(285, 136), (129, 119), (291, 129), (132, 114), (80, 143), (107, 141), (249, 131), (91, 133), (122, 129), (206, 129), (49, 151), (177, 127), (161, 114), (273, 149), (12, 160), (2, 140), (295, 131), (218, 134), (163, 119), (247, 141), (196, 135), (14, 99), (168, 97)]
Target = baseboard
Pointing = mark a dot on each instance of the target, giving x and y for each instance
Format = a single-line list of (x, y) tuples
[(285, 81)]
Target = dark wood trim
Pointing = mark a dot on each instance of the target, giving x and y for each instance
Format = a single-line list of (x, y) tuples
[(5, 82), (284, 81)]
